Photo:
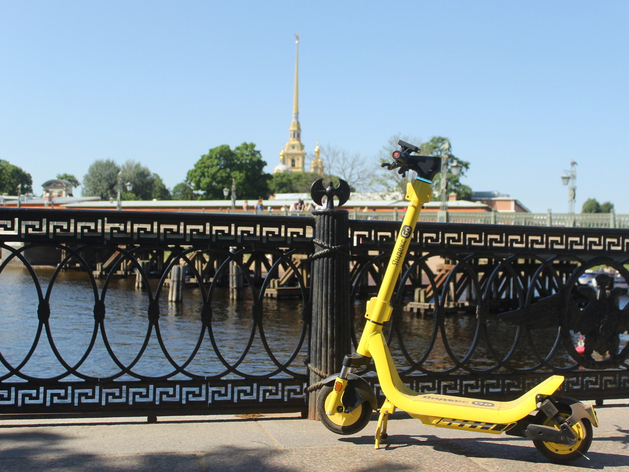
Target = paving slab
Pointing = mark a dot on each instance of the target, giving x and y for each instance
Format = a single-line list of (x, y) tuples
[(285, 443)]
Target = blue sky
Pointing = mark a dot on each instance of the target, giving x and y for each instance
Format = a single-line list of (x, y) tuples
[(519, 87)]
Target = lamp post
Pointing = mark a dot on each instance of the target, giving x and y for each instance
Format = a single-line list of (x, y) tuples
[(569, 178), (128, 186), (446, 168), (119, 199), (233, 192)]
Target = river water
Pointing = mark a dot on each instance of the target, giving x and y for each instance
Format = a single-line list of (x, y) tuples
[(180, 332), (179, 345)]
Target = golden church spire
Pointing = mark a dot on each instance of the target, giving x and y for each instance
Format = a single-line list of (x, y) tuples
[(293, 156), (296, 92)]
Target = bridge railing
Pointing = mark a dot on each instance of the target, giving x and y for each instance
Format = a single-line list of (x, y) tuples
[(568, 220), (481, 309)]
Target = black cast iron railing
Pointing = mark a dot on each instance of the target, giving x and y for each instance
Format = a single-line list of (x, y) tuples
[(500, 307), (134, 352), (481, 309)]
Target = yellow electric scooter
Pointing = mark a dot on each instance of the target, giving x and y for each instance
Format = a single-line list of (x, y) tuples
[(560, 427)]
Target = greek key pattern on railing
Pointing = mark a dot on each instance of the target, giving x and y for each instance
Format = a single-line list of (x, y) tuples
[(465, 238), (87, 226), (200, 397)]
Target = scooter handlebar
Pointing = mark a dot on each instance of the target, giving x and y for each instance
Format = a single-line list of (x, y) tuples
[(425, 166)]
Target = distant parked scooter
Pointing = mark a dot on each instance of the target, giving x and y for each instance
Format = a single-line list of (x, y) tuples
[(560, 427)]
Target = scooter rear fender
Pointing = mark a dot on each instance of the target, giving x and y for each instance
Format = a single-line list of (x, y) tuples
[(579, 410), (529, 427), (356, 392)]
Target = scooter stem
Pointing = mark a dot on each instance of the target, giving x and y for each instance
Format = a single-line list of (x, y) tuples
[(379, 308), (418, 192)]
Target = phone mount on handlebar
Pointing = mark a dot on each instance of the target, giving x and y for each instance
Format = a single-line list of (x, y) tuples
[(425, 166)]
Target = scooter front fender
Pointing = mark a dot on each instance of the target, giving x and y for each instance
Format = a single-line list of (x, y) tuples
[(356, 392)]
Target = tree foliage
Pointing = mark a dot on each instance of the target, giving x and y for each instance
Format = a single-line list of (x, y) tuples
[(607, 207), (160, 191), (105, 179), (592, 205), (183, 191), (101, 179), (292, 182), (215, 170), (145, 185), (69, 178), (14, 180), (436, 146)]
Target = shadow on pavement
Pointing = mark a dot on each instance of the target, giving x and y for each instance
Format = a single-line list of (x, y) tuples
[(505, 448)]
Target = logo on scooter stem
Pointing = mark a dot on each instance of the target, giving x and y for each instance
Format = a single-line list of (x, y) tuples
[(401, 244)]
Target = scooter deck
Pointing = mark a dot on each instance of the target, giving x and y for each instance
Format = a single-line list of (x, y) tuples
[(447, 407)]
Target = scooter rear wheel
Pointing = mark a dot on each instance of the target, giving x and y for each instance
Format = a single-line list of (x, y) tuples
[(342, 423), (562, 453)]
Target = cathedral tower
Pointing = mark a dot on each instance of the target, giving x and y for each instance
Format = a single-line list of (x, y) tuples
[(293, 156)]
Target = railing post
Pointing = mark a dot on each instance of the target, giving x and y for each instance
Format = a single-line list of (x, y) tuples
[(330, 335)]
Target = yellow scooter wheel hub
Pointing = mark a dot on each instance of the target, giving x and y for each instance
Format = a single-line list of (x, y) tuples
[(342, 419), (565, 448)]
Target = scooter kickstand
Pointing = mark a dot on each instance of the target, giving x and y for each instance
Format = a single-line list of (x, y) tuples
[(383, 419)]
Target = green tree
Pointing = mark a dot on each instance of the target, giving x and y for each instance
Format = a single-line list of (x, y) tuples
[(436, 146), (183, 191), (292, 182), (14, 180), (160, 191), (591, 205), (105, 178), (140, 179), (101, 179), (215, 170), (70, 178), (145, 185)]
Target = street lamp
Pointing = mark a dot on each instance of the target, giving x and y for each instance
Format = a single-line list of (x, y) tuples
[(233, 192), (128, 186), (447, 168), (569, 178)]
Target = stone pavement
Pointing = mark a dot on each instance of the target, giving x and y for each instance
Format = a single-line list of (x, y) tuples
[(285, 443)]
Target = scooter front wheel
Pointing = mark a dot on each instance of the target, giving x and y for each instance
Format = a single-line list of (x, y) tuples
[(342, 423), (562, 453)]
